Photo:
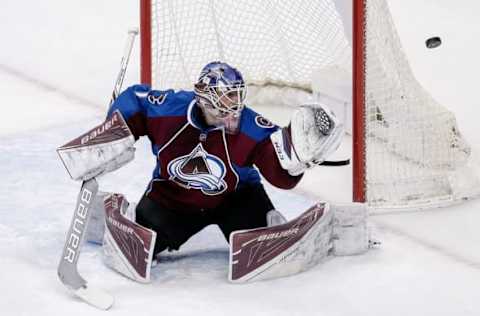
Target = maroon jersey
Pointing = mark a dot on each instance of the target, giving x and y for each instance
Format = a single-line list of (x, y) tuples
[(198, 165)]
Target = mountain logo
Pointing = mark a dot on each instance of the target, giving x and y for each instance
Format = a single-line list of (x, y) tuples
[(199, 170)]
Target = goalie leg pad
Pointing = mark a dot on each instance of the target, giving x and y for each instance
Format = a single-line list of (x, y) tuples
[(282, 250), (128, 246), (351, 230), (96, 228)]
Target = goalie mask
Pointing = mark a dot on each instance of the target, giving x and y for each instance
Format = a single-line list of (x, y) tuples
[(220, 92)]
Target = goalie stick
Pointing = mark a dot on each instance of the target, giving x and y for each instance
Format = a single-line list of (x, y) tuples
[(67, 269), (123, 64)]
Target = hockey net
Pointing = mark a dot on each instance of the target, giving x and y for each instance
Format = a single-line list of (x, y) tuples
[(409, 151)]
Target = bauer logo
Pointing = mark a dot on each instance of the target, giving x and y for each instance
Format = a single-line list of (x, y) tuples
[(199, 170), (100, 129), (78, 226), (117, 224), (277, 235)]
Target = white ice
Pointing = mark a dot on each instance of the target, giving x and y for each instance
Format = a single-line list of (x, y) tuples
[(57, 65)]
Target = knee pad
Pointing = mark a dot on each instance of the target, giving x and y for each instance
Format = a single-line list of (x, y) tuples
[(127, 246), (96, 226)]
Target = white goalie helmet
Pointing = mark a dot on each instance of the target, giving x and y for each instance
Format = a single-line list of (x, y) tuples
[(220, 92)]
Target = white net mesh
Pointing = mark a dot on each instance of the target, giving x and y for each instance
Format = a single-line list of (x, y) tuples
[(276, 42), (415, 154)]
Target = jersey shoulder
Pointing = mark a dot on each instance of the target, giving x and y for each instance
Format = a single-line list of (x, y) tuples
[(167, 102), (256, 126), (152, 103)]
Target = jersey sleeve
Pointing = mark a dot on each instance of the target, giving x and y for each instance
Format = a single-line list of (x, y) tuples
[(130, 104), (265, 158)]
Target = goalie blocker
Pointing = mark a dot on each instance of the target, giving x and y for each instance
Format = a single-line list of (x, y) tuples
[(103, 149)]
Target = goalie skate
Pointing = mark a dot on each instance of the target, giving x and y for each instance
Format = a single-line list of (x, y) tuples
[(282, 250)]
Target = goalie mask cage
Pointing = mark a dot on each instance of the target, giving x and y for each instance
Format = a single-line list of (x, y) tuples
[(407, 149)]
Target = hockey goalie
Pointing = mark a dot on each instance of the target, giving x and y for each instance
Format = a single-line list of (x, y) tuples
[(210, 151)]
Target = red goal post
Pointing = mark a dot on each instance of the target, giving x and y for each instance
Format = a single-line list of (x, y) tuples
[(358, 97), (146, 42)]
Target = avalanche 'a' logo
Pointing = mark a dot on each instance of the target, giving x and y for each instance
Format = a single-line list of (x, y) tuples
[(199, 170)]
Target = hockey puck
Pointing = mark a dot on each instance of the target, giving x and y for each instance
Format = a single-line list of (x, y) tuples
[(433, 42)]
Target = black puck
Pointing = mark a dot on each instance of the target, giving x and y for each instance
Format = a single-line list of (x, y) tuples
[(433, 42)]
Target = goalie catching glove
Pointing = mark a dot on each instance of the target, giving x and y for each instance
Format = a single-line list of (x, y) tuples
[(314, 133)]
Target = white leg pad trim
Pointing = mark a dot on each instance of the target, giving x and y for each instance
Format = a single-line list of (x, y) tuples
[(351, 230)]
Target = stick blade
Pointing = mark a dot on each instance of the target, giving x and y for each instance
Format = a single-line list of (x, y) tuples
[(95, 297)]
